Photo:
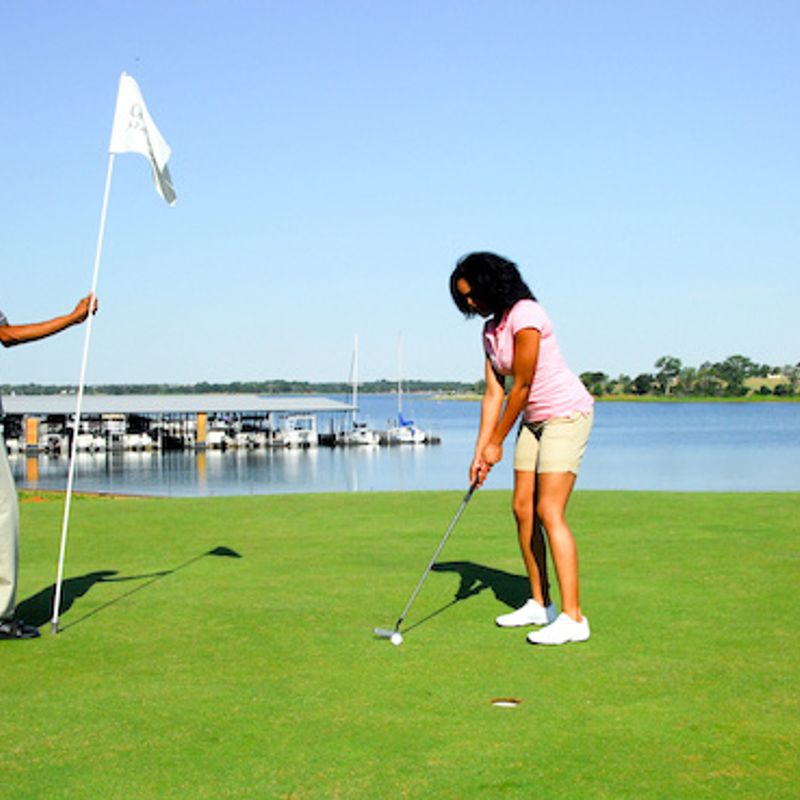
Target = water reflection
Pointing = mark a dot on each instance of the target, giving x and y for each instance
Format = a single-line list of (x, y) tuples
[(709, 447)]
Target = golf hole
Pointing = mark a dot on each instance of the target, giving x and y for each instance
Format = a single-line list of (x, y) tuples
[(506, 702)]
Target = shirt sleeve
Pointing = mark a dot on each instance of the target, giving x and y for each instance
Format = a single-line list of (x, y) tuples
[(526, 314)]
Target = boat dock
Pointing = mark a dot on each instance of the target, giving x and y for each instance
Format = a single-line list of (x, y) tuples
[(45, 423)]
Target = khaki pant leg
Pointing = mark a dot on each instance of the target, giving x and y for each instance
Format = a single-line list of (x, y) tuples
[(9, 537)]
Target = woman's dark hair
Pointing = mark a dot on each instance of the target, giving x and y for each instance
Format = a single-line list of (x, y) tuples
[(492, 279)]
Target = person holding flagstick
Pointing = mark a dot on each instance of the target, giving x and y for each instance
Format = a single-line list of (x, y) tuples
[(11, 335)]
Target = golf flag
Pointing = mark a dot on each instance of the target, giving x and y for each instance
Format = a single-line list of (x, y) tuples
[(135, 132)]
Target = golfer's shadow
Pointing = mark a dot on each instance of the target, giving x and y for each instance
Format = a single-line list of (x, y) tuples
[(513, 590), (37, 609)]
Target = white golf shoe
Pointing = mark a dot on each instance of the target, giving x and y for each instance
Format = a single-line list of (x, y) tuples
[(563, 630), (532, 613)]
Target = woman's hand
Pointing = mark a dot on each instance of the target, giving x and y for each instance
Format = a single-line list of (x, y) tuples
[(483, 463), (492, 454), (476, 472)]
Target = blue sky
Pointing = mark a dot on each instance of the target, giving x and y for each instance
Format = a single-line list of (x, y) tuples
[(639, 160)]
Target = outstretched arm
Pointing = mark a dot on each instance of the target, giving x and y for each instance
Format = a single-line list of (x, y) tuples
[(11, 335)]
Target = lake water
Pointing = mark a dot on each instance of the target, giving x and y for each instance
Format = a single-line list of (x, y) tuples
[(661, 446)]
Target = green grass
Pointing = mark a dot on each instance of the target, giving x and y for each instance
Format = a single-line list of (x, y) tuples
[(258, 676)]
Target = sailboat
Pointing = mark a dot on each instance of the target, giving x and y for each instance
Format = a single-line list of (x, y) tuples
[(405, 432), (359, 432)]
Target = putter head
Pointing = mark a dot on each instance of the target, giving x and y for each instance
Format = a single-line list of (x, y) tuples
[(395, 637)]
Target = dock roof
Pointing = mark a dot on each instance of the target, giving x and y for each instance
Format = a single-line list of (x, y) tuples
[(93, 404)]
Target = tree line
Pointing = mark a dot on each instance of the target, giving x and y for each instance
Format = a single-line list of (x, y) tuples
[(736, 376), (268, 387)]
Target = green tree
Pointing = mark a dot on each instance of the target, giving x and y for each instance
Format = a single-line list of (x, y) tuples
[(733, 371), (668, 368), (624, 384), (595, 382), (643, 384), (707, 383), (792, 374), (687, 380)]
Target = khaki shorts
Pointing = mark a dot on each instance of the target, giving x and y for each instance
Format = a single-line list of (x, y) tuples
[(554, 445)]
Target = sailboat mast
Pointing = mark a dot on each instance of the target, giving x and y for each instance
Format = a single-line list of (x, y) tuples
[(399, 377), (355, 378)]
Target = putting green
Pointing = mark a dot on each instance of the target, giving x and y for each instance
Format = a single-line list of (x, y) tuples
[(223, 647)]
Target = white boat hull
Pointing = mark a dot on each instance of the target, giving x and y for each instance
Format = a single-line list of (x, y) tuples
[(407, 434)]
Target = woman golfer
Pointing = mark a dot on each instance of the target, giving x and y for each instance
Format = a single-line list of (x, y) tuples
[(556, 417)]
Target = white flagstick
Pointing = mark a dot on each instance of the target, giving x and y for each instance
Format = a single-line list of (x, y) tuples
[(81, 382)]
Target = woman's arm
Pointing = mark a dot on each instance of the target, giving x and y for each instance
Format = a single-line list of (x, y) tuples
[(491, 406), (526, 356), (11, 335)]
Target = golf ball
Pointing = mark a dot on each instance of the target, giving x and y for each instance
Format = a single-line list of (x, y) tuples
[(396, 638)]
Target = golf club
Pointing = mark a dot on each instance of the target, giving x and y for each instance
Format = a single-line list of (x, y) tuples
[(394, 635)]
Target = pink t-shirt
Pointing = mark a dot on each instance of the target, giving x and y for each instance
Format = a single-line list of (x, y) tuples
[(556, 390)]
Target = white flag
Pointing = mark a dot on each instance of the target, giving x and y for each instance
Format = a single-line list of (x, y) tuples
[(135, 132)]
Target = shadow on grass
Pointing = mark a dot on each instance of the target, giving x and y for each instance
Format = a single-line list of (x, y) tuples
[(37, 609), (513, 590)]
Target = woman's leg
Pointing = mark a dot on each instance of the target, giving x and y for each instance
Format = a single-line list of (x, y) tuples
[(529, 532), (553, 490)]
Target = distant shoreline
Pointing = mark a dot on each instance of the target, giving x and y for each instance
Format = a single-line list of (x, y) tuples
[(633, 398), (755, 398)]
